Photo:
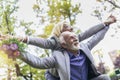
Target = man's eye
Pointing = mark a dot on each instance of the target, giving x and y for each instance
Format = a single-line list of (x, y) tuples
[(71, 37)]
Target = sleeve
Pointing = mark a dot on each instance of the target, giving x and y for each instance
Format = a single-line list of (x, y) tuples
[(97, 38), (36, 62), (49, 43), (91, 31)]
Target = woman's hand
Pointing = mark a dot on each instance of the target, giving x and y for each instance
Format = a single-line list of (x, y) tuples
[(20, 38), (4, 37), (111, 19)]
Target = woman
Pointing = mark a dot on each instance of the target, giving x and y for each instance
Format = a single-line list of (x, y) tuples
[(53, 42)]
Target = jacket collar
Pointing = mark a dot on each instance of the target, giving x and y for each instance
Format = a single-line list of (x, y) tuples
[(67, 62), (87, 52)]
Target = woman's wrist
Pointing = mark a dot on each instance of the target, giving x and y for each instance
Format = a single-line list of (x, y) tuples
[(111, 19), (106, 23), (25, 39), (22, 39)]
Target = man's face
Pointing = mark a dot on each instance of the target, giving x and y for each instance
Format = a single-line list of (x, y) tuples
[(71, 40)]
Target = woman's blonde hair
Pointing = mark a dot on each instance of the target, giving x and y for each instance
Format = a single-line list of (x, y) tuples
[(58, 28)]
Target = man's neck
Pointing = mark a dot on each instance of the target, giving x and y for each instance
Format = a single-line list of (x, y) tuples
[(74, 52)]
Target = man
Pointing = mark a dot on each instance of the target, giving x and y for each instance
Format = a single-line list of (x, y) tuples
[(73, 61), (51, 74)]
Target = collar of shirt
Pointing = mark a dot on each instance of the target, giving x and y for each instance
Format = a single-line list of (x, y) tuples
[(72, 55)]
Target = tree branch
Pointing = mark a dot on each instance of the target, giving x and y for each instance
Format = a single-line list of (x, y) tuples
[(19, 73), (115, 5)]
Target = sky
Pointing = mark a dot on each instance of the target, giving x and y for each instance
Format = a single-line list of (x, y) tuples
[(25, 11)]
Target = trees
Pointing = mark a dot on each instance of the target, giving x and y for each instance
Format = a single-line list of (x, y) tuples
[(56, 10)]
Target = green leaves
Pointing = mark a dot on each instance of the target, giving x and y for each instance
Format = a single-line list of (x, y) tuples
[(47, 31), (63, 10), (21, 45), (7, 20)]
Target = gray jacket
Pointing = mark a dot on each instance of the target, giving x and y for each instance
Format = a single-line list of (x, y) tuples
[(60, 60)]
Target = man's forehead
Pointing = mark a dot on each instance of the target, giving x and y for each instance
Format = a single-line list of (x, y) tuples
[(67, 33)]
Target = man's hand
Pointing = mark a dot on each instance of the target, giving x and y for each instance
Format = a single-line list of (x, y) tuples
[(111, 19)]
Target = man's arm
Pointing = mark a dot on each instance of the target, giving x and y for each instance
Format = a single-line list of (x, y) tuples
[(36, 62)]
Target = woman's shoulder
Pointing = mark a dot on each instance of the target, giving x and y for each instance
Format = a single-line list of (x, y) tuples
[(54, 38)]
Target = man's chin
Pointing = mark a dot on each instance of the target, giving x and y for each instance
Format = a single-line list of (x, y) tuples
[(75, 48)]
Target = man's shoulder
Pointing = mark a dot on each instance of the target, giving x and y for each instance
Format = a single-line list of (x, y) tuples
[(59, 53), (83, 45)]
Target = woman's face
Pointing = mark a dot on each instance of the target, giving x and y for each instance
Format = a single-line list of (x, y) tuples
[(67, 27)]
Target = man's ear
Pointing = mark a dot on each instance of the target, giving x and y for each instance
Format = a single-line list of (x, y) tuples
[(64, 45)]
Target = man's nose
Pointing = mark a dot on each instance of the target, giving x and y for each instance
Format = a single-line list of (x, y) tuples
[(75, 39)]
